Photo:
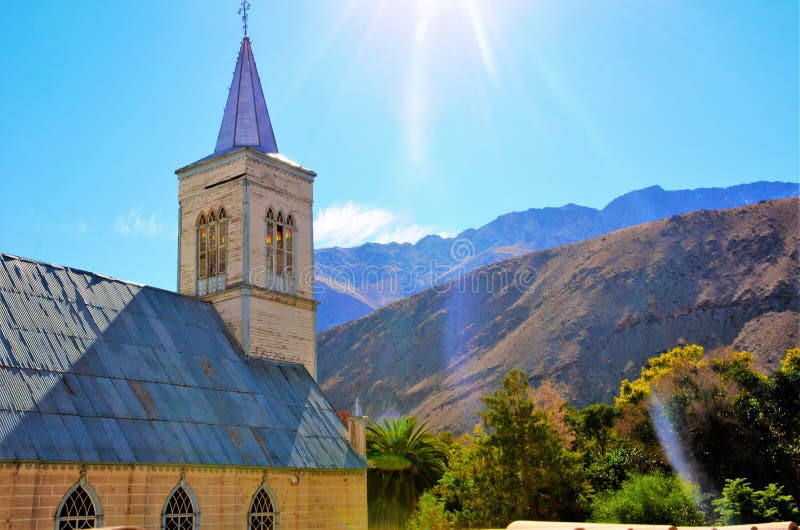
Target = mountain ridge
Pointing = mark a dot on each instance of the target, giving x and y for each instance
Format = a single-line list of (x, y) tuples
[(585, 315), (352, 282)]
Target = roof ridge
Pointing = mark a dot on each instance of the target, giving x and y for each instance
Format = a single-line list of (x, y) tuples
[(4, 255)]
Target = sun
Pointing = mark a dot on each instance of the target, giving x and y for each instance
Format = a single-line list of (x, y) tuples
[(428, 49)]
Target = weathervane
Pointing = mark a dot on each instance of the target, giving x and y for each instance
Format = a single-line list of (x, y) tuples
[(243, 11)]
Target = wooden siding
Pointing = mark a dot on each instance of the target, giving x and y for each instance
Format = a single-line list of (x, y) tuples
[(281, 326)]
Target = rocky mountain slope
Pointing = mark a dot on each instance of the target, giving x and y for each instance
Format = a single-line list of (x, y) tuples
[(584, 315), (352, 282)]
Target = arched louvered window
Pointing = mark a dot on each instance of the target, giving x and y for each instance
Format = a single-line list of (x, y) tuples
[(280, 252), (212, 245), (180, 510), (263, 514), (79, 509)]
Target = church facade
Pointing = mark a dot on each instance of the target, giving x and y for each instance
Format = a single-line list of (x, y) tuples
[(127, 405)]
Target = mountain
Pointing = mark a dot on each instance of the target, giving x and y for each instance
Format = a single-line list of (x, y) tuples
[(352, 282), (583, 315)]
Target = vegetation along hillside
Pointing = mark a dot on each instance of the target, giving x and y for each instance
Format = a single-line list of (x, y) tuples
[(584, 315)]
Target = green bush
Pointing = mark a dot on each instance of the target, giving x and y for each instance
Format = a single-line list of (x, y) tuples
[(741, 504), (650, 499), (431, 515)]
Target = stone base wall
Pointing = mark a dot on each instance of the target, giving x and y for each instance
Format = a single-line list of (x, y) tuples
[(30, 494)]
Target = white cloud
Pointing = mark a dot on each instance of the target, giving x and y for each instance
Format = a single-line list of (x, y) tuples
[(353, 224), (136, 224)]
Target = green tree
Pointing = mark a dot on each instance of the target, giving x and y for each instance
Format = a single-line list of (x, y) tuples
[(721, 417), (457, 487), (741, 504), (650, 499), (786, 402), (636, 391), (608, 459), (404, 460), (522, 469), (431, 514)]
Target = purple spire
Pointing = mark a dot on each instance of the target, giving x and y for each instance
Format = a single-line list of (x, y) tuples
[(246, 119)]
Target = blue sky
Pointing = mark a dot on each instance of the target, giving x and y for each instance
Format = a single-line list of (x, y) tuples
[(426, 116)]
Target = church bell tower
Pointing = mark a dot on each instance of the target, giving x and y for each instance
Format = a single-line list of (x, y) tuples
[(246, 239)]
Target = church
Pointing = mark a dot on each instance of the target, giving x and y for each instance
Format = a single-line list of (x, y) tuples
[(127, 405)]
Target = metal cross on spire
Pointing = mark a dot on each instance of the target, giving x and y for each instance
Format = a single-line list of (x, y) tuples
[(243, 11)]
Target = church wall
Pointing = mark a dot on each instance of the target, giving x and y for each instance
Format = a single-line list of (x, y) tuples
[(293, 195), (30, 494), (281, 327), (282, 330), (229, 307), (194, 199)]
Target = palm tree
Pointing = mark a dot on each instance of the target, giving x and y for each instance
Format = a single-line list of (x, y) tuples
[(404, 460)]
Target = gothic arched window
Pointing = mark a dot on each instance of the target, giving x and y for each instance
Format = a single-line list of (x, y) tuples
[(263, 514), (212, 238), (223, 241), (79, 509), (280, 252), (202, 250), (270, 240), (289, 246), (180, 510)]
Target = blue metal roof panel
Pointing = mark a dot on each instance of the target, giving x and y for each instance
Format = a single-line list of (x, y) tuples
[(139, 435), (227, 452), (16, 439), (80, 398), (63, 442), (101, 441), (77, 431), (44, 446), (96, 369), (40, 385)]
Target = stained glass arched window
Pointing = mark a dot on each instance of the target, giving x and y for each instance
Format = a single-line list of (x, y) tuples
[(222, 243), (270, 241), (202, 248), (279, 241), (79, 509), (212, 239), (180, 511), (263, 514), (288, 234)]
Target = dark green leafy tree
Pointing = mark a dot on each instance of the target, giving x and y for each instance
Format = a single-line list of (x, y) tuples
[(521, 468), (726, 419), (404, 460), (607, 458), (741, 504), (785, 400)]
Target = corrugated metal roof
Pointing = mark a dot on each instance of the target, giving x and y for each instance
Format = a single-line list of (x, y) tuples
[(94, 369)]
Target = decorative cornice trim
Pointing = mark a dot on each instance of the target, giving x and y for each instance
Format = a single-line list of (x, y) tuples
[(238, 289), (171, 468), (272, 160)]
